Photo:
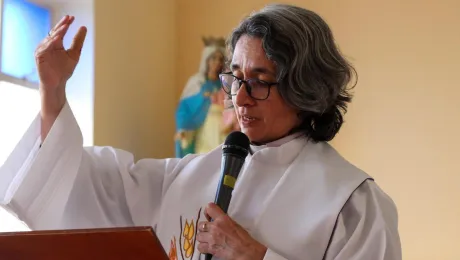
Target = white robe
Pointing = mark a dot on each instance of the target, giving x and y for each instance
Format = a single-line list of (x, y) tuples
[(300, 199)]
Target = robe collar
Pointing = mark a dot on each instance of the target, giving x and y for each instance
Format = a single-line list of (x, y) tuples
[(281, 151)]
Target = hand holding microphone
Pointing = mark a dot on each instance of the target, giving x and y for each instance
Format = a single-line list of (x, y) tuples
[(222, 236)]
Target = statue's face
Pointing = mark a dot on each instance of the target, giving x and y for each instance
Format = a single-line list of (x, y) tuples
[(216, 62)]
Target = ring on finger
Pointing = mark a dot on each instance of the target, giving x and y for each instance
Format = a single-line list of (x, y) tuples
[(204, 226)]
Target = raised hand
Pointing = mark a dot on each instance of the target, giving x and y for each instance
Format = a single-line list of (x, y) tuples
[(55, 64)]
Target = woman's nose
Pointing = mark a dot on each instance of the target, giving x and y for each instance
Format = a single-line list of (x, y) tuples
[(242, 97)]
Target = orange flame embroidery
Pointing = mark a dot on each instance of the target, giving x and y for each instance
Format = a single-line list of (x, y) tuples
[(173, 250)]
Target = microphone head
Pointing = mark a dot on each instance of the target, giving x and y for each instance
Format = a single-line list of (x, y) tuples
[(236, 143)]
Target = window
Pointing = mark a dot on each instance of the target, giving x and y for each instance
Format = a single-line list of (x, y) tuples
[(24, 25)]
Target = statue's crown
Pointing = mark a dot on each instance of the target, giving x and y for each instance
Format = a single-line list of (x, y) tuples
[(214, 41)]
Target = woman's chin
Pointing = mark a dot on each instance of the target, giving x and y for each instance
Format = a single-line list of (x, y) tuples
[(252, 134)]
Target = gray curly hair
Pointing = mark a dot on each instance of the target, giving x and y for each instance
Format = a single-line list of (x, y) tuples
[(314, 77)]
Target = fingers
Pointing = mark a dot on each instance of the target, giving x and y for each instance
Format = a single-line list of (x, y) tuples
[(204, 237), (71, 19), (213, 211), (77, 44), (203, 248), (66, 20), (203, 226), (207, 216), (61, 22), (207, 245), (206, 248), (58, 36), (55, 40), (61, 31)]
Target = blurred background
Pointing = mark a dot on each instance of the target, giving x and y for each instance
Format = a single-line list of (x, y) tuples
[(402, 127)]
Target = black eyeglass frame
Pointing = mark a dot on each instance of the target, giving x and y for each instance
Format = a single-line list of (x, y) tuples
[(248, 85)]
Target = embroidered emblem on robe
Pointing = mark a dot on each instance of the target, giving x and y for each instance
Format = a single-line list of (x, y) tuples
[(189, 235), (187, 239)]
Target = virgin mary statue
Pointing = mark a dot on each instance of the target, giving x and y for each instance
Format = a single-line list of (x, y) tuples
[(201, 121)]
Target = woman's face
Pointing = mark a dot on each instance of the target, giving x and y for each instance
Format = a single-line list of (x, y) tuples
[(261, 120), (215, 63)]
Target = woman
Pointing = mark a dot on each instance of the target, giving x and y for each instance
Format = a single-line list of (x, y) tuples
[(295, 198), (196, 115)]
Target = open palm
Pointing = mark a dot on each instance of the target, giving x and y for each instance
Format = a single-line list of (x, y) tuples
[(55, 64)]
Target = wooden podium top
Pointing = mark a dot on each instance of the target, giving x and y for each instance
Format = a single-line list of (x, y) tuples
[(107, 243)]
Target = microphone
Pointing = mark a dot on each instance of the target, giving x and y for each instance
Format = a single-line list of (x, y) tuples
[(234, 151)]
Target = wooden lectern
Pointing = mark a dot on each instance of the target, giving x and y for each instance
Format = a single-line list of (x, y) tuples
[(90, 244)]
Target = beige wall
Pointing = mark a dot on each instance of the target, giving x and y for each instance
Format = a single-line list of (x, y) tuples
[(135, 76), (402, 126)]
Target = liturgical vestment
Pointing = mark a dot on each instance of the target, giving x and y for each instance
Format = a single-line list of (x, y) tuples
[(300, 199)]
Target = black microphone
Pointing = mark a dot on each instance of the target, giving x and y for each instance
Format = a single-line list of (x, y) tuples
[(234, 152)]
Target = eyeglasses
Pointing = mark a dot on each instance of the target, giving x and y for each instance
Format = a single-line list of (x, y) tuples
[(257, 89)]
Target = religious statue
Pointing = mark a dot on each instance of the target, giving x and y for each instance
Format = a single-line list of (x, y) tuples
[(202, 120)]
